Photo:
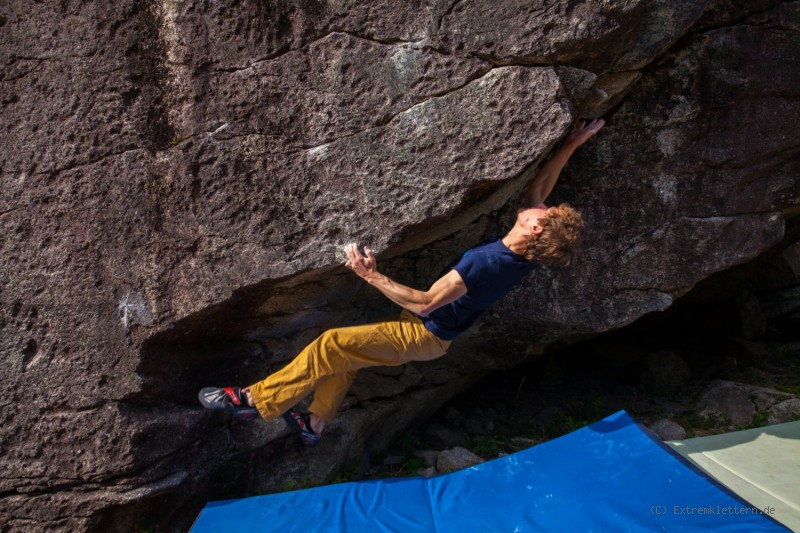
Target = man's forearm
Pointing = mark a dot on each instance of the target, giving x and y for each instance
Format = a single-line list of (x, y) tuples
[(446, 289), (406, 297), (547, 176), (544, 181)]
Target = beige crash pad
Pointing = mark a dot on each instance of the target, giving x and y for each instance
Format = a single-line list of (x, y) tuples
[(761, 465)]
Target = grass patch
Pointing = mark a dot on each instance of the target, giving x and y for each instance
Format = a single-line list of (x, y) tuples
[(784, 367), (291, 485), (794, 390), (348, 473), (490, 446), (406, 447), (697, 425), (759, 419)]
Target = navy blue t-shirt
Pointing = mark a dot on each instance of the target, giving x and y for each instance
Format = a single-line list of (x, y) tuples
[(489, 271)]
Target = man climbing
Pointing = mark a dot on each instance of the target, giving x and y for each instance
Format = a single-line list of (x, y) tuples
[(430, 319)]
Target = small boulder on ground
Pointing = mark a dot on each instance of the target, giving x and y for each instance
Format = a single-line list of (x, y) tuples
[(456, 458), (522, 443), (737, 402), (785, 411), (667, 429), (428, 472)]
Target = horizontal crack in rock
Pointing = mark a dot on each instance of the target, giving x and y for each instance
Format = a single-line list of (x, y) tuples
[(278, 55), (86, 163)]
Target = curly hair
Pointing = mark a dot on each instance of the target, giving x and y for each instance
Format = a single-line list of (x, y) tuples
[(561, 239)]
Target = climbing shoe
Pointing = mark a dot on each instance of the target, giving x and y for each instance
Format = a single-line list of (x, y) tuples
[(230, 399), (302, 423)]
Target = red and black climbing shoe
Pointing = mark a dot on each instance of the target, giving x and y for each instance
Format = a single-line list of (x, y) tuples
[(230, 399), (302, 423)]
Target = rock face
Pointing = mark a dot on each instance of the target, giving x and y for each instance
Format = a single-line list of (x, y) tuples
[(179, 179)]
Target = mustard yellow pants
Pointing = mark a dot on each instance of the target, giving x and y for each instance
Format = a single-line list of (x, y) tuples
[(329, 364)]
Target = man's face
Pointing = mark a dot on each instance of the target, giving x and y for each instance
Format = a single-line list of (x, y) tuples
[(527, 218)]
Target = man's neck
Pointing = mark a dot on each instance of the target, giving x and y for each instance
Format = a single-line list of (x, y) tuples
[(516, 241)]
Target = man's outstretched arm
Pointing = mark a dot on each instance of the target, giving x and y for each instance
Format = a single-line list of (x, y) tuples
[(545, 179), (448, 288)]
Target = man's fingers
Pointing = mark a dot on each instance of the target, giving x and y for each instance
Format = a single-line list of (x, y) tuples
[(354, 254)]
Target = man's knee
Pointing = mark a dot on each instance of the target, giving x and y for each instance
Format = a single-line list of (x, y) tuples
[(331, 351), (330, 338)]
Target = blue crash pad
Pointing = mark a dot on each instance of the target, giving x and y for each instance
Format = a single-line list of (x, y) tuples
[(609, 476)]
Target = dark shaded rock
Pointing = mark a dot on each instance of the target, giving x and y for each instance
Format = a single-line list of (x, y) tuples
[(728, 12), (663, 372), (726, 367), (477, 425), (443, 436), (782, 271), (667, 429), (606, 92), (791, 256), (752, 320), (748, 353), (664, 21), (394, 460), (627, 392), (369, 385), (616, 355), (550, 373), (429, 456), (792, 322), (738, 316), (451, 414), (456, 459), (781, 303), (548, 416)]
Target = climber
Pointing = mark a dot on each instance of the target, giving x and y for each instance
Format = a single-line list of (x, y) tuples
[(429, 319)]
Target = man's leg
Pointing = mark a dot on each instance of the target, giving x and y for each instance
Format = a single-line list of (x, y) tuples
[(277, 393), (339, 352), (327, 399)]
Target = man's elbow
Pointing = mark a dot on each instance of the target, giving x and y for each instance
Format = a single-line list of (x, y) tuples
[(426, 306)]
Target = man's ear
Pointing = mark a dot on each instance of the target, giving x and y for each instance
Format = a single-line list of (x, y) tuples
[(537, 229)]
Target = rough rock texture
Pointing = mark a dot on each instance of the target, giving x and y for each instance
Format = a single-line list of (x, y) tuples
[(179, 178)]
